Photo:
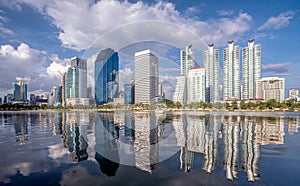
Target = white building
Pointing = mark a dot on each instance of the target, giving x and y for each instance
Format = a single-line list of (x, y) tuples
[(180, 94), (211, 65), (196, 84), (270, 88), (146, 76), (251, 62), (186, 60), (294, 95), (231, 58)]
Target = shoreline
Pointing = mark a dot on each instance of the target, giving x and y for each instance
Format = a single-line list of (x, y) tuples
[(147, 111)]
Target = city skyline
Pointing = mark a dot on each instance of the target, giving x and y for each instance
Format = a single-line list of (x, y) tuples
[(46, 46)]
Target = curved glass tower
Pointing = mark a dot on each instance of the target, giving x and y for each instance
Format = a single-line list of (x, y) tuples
[(106, 76)]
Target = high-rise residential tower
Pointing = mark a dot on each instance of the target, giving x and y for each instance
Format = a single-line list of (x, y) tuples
[(145, 76), (251, 62), (196, 84), (187, 61), (270, 88), (20, 91), (231, 59), (211, 65), (106, 77)]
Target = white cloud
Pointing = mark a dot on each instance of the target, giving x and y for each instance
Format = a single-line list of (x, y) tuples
[(225, 12), (30, 65), (278, 68), (88, 20), (125, 76), (282, 20)]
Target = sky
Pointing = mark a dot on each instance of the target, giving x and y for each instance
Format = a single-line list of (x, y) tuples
[(37, 38)]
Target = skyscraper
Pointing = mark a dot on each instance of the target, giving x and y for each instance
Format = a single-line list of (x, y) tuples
[(63, 90), (129, 93), (146, 76), (211, 65), (251, 61), (186, 60), (75, 85), (106, 76), (196, 84), (20, 91), (270, 88), (231, 58), (180, 94)]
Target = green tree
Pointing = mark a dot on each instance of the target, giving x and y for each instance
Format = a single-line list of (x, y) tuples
[(243, 105)]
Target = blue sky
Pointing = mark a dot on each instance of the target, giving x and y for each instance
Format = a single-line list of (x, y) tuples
[(38, 37)]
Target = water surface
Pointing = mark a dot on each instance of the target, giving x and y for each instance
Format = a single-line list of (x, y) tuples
[(125, 148)]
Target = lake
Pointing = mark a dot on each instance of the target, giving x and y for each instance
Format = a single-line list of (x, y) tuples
[(126, 148)]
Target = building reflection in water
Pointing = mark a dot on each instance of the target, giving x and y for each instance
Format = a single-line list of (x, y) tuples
[(106, 147), (211, 143), (231, 133), (234, 141), (21, 128), (146, 141), (199, 134), (74, 134)]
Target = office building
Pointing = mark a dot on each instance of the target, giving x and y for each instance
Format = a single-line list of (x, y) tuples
[(129, 93), (196, 84), (106, 76), (211, 65), (75, 85), (63, 90), (251, 72), (20, 92), (146, 76), (9, 98), (231, 59), (270, 88), (32, 99)]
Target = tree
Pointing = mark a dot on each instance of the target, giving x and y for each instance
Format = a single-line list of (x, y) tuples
[(243, 105), (234, 105)]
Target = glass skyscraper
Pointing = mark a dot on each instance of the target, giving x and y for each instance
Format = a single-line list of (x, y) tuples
[(211, 65), (231, 58), (106, 76), (251, 60), (128, 93), (76, 79), (20, 91)]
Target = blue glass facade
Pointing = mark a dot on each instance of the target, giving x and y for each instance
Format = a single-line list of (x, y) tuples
[(106, 76), (20, 91), (128, 94)]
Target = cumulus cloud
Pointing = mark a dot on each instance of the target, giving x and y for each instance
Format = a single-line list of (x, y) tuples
[(83, 22), (125, 75), (30, 65), (278, 68), (282, 20)]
